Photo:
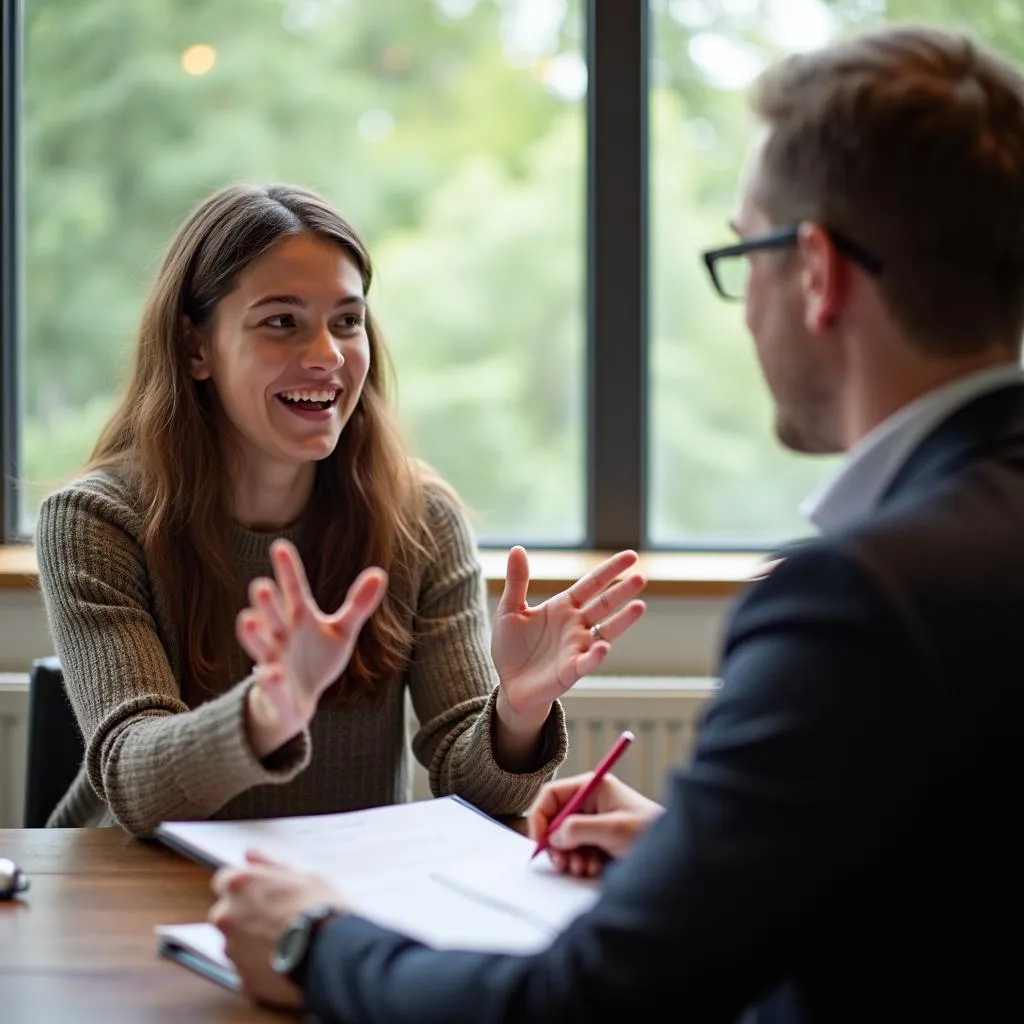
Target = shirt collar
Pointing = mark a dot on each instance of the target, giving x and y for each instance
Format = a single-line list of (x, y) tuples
[(857, 486)]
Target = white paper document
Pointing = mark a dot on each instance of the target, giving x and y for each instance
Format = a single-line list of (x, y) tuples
[(437, 870)]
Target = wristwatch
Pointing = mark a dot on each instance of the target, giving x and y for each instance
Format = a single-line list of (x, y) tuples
[(292, 948)]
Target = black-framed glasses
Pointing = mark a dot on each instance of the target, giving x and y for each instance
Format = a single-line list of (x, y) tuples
[(729, 266)]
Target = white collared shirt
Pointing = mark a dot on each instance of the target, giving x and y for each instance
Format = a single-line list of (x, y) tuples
[(857, 486)]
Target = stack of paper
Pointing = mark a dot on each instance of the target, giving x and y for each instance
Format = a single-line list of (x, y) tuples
[(437, 870)]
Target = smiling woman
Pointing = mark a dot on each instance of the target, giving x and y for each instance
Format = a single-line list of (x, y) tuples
[(252, 572), (293, 330)]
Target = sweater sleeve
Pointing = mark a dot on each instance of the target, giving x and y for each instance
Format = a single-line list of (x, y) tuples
[(452, 680), (148, 756)]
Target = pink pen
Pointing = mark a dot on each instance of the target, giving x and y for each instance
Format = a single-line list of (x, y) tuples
[(609, 759)]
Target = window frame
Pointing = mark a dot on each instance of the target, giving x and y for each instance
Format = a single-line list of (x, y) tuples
[(617, 282), (10, 267)]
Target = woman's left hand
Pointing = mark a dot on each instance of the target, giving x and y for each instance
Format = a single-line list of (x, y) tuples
[(541, 652)]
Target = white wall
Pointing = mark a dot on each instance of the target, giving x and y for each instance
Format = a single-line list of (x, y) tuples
[(676, 637)]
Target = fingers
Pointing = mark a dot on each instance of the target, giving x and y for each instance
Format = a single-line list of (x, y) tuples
[(611, 833), (220, 915), (588, 662), (229, 881), (259, 870), (612, 599), (260, 628), (265, 597), (254, 637), (611, 628), (551, 799), (585, 863), (619, 622), (586, 588), (517, 581), (291, 578), (361, 601), (610, 795), (259, 857)]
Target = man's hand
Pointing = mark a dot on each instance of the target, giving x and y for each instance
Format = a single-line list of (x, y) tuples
[(607, 824), (254, 905)]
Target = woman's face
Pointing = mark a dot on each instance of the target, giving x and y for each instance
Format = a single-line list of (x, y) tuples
[(287, 352)]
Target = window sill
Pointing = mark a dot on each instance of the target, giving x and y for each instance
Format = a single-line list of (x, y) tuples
[(669, 574)]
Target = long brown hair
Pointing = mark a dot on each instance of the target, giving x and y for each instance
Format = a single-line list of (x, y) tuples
[(163, 437)]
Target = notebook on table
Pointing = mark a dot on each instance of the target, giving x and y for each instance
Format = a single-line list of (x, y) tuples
[(437, 870)]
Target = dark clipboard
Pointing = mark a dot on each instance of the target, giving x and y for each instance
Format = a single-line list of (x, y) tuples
[(187, 957)]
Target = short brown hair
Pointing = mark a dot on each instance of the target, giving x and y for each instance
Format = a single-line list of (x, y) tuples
[(910, 141)]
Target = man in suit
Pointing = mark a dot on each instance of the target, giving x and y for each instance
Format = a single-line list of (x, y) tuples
[(840, 847)]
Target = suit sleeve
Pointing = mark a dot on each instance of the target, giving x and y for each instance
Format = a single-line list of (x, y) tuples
[(808, 764)]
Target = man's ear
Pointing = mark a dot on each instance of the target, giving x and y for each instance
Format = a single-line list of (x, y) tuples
[(821, 279), (198, 346)]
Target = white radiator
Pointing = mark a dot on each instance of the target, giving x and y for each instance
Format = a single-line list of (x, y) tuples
[(662, 712)]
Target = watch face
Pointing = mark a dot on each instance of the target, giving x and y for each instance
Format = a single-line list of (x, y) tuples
[(291, 947)]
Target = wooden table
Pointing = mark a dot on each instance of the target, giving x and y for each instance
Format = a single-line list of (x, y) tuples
[(79, 948)]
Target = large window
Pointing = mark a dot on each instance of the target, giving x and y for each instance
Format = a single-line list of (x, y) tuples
[(717, 474), (535, 179), (451, 132)]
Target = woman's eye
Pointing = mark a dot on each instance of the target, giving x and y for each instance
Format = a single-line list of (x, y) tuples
[(351, 322), (280, 320)]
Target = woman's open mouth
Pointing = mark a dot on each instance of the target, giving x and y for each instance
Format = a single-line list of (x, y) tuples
[(310, 404)]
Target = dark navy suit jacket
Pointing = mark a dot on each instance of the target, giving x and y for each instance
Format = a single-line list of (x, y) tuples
[(842, 846)]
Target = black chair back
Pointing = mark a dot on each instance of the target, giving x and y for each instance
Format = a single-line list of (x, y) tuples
[(55, 745)]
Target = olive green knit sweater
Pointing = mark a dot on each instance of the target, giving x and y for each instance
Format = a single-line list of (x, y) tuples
[(152, 757)]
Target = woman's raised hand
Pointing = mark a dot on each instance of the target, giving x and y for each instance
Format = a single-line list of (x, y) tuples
[(540, 652), (298, 649)]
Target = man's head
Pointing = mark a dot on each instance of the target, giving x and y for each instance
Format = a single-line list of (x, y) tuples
[(897, 159)]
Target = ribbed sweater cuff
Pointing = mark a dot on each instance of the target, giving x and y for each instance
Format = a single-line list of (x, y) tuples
[(212, 763), (480, 779), (236, 761)]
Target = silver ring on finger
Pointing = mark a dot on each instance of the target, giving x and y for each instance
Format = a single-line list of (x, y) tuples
[(595, 632)]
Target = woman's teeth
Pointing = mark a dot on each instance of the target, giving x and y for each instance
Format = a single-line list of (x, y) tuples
[(309, 396)]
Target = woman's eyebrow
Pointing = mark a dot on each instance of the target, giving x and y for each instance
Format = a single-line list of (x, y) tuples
[(298, 300)]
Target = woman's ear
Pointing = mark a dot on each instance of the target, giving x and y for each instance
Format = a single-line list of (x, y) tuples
[(198, 347)]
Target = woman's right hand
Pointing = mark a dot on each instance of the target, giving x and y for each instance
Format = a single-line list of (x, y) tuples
[(298, 649), (606, 825)]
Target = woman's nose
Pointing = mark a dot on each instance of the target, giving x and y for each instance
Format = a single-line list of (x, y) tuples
[(323, 351)]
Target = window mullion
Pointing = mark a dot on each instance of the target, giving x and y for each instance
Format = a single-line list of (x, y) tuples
[(617, 35)]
